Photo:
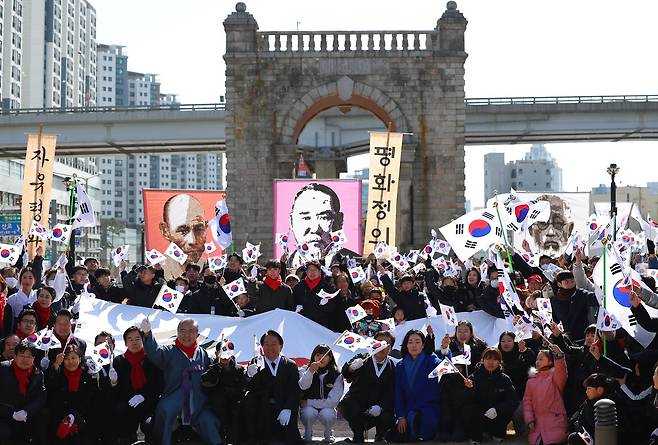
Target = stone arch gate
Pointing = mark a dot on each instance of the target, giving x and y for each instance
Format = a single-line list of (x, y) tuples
[(276, 82)]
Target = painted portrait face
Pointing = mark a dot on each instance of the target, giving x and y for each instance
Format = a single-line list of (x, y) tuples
[(185, 225), (313, 218), (551, 238)]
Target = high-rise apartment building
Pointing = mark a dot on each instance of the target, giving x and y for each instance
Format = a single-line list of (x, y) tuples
[(536, 172), (48, 53), (124, 177)]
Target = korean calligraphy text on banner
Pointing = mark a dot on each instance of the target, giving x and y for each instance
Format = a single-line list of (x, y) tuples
[(385, 156), (37, 184)]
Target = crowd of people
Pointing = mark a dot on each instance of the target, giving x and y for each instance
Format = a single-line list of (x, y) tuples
[(542, 388)]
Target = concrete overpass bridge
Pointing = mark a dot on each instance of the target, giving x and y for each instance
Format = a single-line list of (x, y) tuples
[(202, 127)]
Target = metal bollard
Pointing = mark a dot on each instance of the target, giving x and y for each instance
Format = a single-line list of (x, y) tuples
[(605, 413)]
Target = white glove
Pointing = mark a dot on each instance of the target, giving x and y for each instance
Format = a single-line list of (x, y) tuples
[(284, 417), (45, 362), (136, 400), (145, 326), (252, 370), (240, 313), (374, 411), (114, 377), (490, 413), (148, 421), (356, 364), (299, 308), (76, 307), (20, 416)]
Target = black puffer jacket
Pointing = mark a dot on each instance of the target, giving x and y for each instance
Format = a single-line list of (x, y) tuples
[(492, 390), (413, 301), (516, 365)]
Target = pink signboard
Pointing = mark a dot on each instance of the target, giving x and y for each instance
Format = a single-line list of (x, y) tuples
[(311, 209)]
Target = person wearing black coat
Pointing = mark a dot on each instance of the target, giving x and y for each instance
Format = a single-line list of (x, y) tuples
[(583, 361), (271, 406), (471, 292), (408, 297), (70, 393), (598, 386), (138, 389), (144, 289), (271, 293), (490, 297), (209, 298), (306, 296), (446, 294), (22, 398), (571, 305), (225, 385), (104, 289), (370, 399), (491, 398)]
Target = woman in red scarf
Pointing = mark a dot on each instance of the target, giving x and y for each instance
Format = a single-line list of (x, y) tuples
[(6, 312), (43, 307), (271, 293), (22, 398), (138, 389), (70, 391)]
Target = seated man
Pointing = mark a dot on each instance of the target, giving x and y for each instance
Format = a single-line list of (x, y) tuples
[(272, 403), (182, 365), (22, 398), (369, 401)]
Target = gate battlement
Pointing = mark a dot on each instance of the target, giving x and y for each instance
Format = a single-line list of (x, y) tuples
[(278, 81), (309, 43)]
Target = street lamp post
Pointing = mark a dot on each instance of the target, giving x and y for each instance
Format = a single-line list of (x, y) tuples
[(612, 171)]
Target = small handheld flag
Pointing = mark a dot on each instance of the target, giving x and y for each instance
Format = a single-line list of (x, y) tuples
[(251, 253), (61, 233), (174, 252), (355, 313), (154, 257), (220, 225), (606, 321), (449, 314), (443, 368), (119, 254), (326, 296), (168, 299), (217, 262), (234, 288), (338, 238), (39, 231), (357, 274), (463, 359), (209, 247), (350, 340), (380, 250), (101, 354)]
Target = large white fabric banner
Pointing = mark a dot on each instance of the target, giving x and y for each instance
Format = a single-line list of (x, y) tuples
[(300, 334)]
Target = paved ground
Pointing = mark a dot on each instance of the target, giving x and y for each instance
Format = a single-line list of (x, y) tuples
[(342, 430)]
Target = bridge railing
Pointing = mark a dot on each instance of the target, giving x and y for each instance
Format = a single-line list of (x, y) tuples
[(333, 41), (105, 109), (553, 100)]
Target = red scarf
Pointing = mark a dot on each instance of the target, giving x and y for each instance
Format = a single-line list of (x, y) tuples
[(20, 334), (312, 284), (187, 350), (22, 376), (137, 376), (43, 313), (73, 378), (272, 284), (3, 303)]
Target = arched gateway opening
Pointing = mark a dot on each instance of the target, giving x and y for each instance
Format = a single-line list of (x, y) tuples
[(279, 90)]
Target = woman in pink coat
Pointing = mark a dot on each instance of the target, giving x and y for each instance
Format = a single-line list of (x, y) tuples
[(543, 405)]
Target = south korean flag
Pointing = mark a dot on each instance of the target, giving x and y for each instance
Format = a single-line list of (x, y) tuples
[(473, 232), (618, 282), (519, 214)]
